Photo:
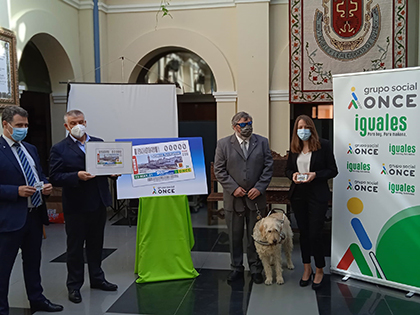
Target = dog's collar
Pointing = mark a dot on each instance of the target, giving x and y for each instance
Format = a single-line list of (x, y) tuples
[(282, 236), (265, 243)]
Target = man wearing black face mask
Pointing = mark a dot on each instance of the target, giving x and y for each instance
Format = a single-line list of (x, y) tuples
[(244, 166), (85, 198), (22, 210)]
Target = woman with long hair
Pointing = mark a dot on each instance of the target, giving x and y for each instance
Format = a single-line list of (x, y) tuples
[(310, 164)]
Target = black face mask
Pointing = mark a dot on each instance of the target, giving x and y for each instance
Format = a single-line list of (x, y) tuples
[(246, 131)]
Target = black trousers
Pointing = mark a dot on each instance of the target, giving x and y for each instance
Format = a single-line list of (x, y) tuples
[(310, 216), (84, 229), (29, 239)]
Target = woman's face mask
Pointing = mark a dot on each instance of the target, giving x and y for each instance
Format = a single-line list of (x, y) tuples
[(304, 134)]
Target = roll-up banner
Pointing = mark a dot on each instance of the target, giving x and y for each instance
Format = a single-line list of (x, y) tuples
[(376, 198)]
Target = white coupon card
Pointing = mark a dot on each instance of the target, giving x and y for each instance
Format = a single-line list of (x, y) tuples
[(108, 158), (39, 186)]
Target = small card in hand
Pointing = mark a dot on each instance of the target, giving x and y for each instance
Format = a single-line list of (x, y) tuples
[(39, 186), (302, 177)]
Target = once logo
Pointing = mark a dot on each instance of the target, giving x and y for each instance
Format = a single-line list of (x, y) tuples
[(363, 149), (355, 101), (401, 170), (364, 186), (166, 190), (397, 101)]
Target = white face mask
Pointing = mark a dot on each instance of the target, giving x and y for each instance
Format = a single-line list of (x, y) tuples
[(78, 131)]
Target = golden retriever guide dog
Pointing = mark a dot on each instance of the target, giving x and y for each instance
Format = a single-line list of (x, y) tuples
[(270, 235)]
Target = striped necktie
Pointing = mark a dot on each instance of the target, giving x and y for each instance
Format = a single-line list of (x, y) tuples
[(30, 177)]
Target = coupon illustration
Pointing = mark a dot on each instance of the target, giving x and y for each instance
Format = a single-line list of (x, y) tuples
[(162, 163), (109, 158)]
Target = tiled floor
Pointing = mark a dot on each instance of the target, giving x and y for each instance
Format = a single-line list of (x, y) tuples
[(207, 294)]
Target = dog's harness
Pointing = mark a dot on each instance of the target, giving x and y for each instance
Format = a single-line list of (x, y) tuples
[(282, 235)]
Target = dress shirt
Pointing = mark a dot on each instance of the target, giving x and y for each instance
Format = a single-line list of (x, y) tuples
[(242, 140), (79, 144), (10, 142)]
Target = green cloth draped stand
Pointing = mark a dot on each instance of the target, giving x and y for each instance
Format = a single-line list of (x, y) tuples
[(164, 239)]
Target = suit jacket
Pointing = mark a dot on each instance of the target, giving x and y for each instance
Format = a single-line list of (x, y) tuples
[(323, 164), (13, 208), (233, 170), (66, 160)]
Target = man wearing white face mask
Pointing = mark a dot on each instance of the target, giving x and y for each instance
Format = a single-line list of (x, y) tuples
[(22, 210), (85, 198)]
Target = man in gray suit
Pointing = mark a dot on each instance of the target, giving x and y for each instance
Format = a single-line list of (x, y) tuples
[(244, 166)]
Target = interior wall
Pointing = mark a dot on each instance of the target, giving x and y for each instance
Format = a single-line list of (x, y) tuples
[(29, 18), (103, 43), (4, 13), (86, 47), (279, 78), (252, 59), (54, 27), (279, 47)]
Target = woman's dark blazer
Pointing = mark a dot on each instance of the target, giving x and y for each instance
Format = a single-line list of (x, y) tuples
[(323, 164)]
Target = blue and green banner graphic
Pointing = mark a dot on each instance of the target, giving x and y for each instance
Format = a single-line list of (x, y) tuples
[(376, 203)]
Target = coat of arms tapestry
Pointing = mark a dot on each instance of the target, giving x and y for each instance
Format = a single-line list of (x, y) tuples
[(340, 36)]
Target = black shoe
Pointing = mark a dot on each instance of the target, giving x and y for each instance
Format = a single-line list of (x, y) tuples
[(235, 275), (257, 278), (316, 286), (45, 306), (74, 296), (104, 286), (305, 283)]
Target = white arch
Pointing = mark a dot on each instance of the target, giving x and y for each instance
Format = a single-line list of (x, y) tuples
[(54, 42), (153, 42), (56, 59)]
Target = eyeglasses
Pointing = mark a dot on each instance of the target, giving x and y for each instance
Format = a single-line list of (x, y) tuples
[(242, 125)]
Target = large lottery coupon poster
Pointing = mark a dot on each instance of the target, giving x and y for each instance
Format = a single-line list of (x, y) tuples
[(164, 167), (376, 198), (161, 163)]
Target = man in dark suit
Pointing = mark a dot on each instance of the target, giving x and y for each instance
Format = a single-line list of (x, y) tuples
[(243, 165), (85, 198), (22, 210)]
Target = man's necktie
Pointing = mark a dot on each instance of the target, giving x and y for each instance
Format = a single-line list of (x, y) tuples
[(30, 177), (244, 150)]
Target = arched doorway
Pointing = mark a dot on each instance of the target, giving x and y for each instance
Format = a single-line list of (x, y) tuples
[(42, 66), (197, 108), (35, 98)]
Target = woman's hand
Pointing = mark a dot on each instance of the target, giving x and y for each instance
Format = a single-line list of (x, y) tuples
[(311, 177), (294, 178)]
